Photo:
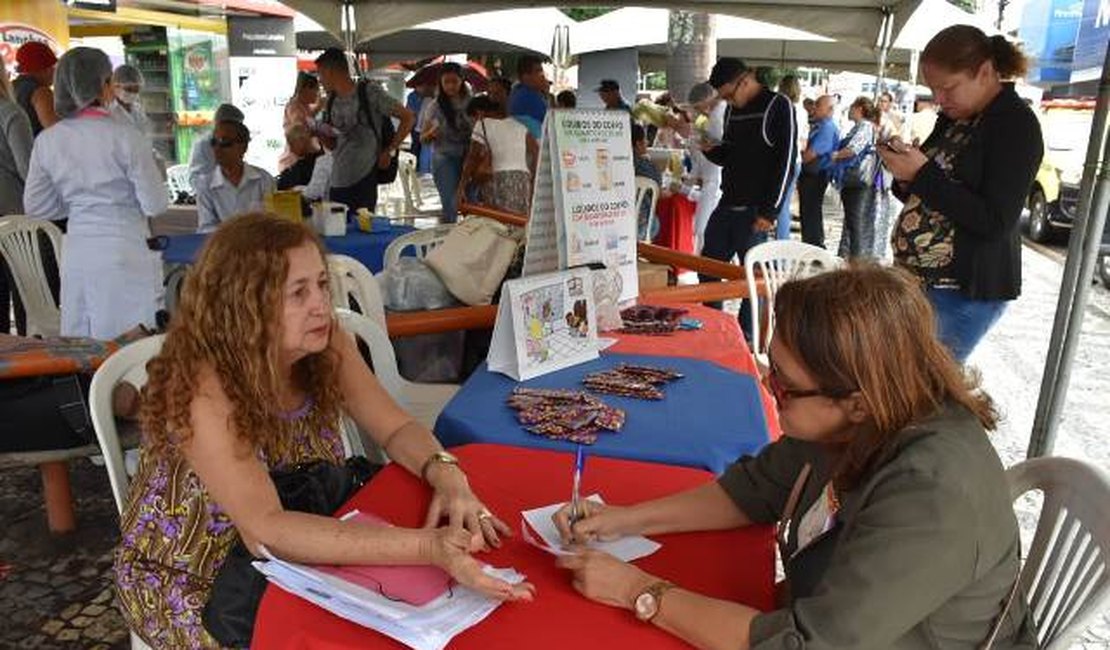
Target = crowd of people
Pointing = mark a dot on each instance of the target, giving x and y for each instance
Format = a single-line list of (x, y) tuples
[(893, 512)]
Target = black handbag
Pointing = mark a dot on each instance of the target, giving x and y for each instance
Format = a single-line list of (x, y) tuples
[(319, 488)]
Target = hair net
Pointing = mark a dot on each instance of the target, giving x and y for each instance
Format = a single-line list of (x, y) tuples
[(79, 79), (127, 74), (228, 113), (700, 93)]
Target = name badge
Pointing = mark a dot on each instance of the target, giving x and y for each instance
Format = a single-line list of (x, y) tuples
[(819, 519)]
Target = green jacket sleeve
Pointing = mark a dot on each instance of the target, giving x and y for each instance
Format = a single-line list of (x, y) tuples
[(760, 485), (907, 551)]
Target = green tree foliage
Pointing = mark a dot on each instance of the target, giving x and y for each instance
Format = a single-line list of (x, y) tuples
[(585, 13)]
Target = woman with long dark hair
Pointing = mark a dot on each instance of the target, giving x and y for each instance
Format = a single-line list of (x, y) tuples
[(965, 187), (446, 124)]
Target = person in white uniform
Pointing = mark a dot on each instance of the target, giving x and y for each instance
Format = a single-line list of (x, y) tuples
[(703, 99), (127, 84), (98, 173), (234, 187), (202, 161)]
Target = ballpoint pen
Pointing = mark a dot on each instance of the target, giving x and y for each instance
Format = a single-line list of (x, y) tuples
[(575, 504)]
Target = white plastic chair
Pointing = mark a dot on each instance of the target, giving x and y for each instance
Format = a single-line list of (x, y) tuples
[(177, 178), (19, 245), (646, 190), (779, 262), (410, 182), (350, 279), (128, 363), (1065, 575), (421, 240)]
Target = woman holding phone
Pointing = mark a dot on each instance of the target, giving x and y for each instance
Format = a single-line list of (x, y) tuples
[(965, 187), (447, 125)]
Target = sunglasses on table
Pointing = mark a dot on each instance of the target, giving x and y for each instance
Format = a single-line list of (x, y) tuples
[(223, 143)]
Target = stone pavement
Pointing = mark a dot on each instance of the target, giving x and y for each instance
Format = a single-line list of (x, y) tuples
[(56, 592)]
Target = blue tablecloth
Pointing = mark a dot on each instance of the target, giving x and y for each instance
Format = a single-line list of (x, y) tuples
[(366, 247), (708, 419)]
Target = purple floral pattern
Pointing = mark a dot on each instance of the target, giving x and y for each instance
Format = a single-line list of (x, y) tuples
[(175, 538)]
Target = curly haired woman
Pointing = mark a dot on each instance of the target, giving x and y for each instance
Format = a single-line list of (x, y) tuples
[(253, 376)]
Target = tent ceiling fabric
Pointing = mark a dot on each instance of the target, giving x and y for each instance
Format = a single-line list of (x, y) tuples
[(852, 21), (412, 44)]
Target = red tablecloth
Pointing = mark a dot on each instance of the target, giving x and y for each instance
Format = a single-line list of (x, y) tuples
[(735, 565), (719, 340), (22, 356), (676, 224)]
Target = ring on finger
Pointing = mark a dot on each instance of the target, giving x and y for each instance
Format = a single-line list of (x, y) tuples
[(484, 515)]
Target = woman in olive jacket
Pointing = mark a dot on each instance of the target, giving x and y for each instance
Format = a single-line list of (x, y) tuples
[(894, 517), (965, 188)]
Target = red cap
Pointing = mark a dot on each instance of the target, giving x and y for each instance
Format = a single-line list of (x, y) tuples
[(35, 56)]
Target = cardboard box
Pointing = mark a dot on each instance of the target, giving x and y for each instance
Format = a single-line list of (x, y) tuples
[(653, 276)]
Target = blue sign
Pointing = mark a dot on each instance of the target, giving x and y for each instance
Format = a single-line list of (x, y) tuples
[(1094, 31), (1048, 31)]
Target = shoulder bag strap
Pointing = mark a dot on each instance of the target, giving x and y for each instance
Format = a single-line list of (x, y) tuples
[(783, 527), (997, 627)]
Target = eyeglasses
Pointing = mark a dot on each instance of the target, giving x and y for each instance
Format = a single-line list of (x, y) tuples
[(223, 143), (783, 395)]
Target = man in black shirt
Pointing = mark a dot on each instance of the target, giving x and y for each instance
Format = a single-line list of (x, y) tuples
[(757, 155)]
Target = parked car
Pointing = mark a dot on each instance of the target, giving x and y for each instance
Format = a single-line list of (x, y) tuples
[(1054, 195)]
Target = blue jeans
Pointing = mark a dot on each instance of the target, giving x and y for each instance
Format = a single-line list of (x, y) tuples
[(446, 170), (782, 226), (961, 321), (729, 233)]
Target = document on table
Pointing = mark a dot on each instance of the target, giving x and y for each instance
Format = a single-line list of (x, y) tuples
[(539, 519), (427, 627)]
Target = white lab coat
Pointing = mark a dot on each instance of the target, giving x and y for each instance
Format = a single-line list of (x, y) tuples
[(98, 173), (709, 172)]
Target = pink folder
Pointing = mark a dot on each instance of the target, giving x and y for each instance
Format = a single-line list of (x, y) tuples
[(415, 585)]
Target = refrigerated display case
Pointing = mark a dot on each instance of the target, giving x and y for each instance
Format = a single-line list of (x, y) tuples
[(184, 85), (147, 50)]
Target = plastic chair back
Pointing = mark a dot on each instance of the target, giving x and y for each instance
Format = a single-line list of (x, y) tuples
[(779, 262), (177, 177), (353, 285), (422, 241), (647, 192), (410, 182), (127, 363), (1065, 574), (19, 246)]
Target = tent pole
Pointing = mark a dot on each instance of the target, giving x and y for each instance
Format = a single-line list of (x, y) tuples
[(1094, 201), (884, 49)]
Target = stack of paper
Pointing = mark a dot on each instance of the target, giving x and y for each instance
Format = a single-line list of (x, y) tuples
[(626, 548), (430, 626)]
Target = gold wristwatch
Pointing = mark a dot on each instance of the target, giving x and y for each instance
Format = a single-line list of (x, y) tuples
[(647, 603), (437, 457)]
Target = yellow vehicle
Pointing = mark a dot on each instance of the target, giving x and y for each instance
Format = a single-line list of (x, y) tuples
[(1054, 195)]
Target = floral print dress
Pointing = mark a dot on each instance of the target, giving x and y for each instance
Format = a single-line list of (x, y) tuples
[(175, 538)]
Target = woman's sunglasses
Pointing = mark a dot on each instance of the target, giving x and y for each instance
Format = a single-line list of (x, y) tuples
[(223, 143), (783, 395)]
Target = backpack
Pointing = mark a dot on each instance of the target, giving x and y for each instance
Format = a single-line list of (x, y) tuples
[(385, 134)]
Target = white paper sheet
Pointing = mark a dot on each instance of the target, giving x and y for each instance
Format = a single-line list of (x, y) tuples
[(428, 627), (625, 548)]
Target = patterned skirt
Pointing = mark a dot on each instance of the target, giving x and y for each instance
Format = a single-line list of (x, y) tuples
[(510, 191)]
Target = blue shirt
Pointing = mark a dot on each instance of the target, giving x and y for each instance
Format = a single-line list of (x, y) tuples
[(823, 139), (525, 102)]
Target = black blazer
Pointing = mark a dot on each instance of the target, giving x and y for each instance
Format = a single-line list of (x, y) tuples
[(985, 197)]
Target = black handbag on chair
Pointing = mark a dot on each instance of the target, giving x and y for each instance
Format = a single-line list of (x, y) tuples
[(319, 488)]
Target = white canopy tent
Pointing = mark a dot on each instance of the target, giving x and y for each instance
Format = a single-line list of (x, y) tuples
[(859, 22)]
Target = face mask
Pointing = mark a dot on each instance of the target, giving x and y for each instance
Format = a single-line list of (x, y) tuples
[(126, 97)]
